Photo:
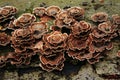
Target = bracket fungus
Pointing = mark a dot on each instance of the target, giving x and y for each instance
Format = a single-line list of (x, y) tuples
[(78, 41), (99, 17), (4, 39), (69, 33), (64, 20), (22, 39), (24, 21), (81, 29), (76, 12), (52, 62), (19, 59), (7, 15), (52, 49), (52, 11), (39, 11), (38, 29)]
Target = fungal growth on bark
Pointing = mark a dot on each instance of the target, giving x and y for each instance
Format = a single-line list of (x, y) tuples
[(57, 35), (22, 58), (7, 15), (100, 40), (22, 39), (76, 12), (99, 17), (64, 20), (4, 39), (39, 11), (38, 29), (24, 21), (78, 41), (52, 62), (52, 11), (52, 49)]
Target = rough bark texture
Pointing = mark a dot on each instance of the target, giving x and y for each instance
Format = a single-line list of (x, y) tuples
[(107, 68)]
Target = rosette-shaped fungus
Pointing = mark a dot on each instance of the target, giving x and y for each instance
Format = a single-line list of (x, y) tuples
[(104, 32), (76, 12), (39, 11), (22, 39), (116, 19), (99, 46), (21, 58), (52, 62), (4, 39), (52, 42), (100, 41), (81, 29), (78, 41), (24, 21), (7, 16), (52, 11), (99, 17), (38, 29), (7, 12), (64, 20), (96, 57), (52, 49)]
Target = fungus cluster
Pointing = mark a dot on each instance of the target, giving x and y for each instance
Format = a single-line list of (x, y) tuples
[(24, 21), (7, 16), (52, 48), (68, 34), (78, 41)]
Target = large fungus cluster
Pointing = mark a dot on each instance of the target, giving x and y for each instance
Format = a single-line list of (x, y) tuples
[(78, 41), (58, 32), (52, 48)]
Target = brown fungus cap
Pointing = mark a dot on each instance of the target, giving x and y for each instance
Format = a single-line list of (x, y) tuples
[(106, 27), (39, 11), (7, 12), (64, 20), (104, 32), (24, 21), (116, 19), (4, 39), (80, 54), (77, 43), (52, 42), (52, 62), (19, 59), (46, 18), (76, 12), (81, 29), (38, 29), (99, 46), (99, 17), (52, 11), (55, 40), (62, 15), (22, 39)]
